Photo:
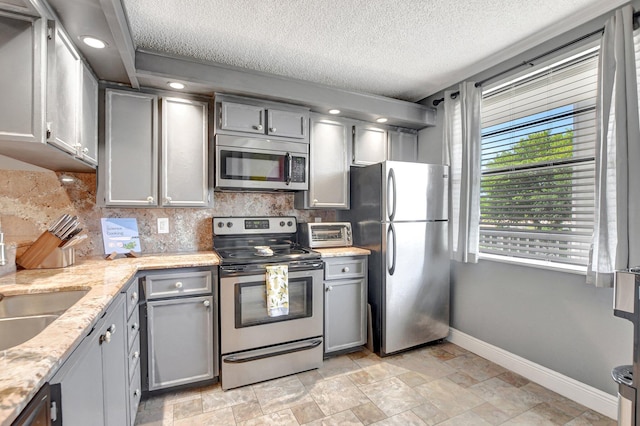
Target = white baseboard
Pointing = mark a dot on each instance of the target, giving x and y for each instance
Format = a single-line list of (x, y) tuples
[(586, 395)]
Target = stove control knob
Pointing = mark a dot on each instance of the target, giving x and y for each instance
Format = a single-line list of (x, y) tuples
[(229, 224), (282, 223), (289, 223), (220, 224)]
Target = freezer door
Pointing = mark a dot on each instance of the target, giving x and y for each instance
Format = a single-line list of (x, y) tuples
[(416, 290), (414, 191)]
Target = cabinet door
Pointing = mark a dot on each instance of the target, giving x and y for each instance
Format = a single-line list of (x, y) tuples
[(23, 65), (242, 118), (403, 146), (114, 364), (131, 149), (329, 164), (185, 140), (180, 338), (287, 124), (369, 145), (21, 6), (63, 105), (344, 314), (89, 117)]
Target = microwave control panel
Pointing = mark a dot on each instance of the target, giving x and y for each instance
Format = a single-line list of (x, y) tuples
[(298, 169)]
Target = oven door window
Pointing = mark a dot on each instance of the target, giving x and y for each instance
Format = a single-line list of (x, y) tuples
[(238, 165), (251, 302)]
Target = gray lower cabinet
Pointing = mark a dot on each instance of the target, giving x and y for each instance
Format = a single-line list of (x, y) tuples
[(92, 382), (180, 333), (403, 145), (328, 165), (132, 173), (345, 303), (369, 144)]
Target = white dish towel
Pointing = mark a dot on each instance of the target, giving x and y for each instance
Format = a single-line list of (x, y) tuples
[(277, 281)]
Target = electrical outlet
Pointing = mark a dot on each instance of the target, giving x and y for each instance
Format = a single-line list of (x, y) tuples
[(317, 219), (163, 225)]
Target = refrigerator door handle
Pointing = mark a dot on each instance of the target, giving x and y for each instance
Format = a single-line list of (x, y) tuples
[(392, 264), (391, 195)]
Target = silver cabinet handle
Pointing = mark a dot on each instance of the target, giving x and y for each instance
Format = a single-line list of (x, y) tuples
[(167, 200), (135, 326), (136, 393), (206, 303), (106, 337), (136, 354), (150, 199), (272, 129), (258, 127), (345, 269), (134, 296), (179, 285), (330, 288), (85, 150)]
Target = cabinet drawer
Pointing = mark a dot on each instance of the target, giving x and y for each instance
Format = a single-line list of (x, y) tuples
[(172, 285), (133, 328), (339, 268), (135, 393), (133, 296), (134, 359)]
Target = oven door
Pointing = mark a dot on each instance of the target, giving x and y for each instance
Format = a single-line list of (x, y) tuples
[(261, 164), (244, 322)]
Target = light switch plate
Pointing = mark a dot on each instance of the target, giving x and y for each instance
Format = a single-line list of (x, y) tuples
[(163, 225)]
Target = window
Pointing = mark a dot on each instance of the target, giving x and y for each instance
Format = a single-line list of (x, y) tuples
[(538, 168)]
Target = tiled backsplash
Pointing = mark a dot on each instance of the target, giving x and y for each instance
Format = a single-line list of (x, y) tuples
[(31, 200)]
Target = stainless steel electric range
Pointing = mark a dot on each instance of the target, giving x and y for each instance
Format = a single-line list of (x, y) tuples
[(255, 346)]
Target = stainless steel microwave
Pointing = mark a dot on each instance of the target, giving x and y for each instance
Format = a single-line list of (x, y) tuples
[(261, 164)]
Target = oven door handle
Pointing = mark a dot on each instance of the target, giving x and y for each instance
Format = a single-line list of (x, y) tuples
[(289, 168), (238, 359)]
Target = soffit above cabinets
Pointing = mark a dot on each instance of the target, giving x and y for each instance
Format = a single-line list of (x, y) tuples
[(381, 53)]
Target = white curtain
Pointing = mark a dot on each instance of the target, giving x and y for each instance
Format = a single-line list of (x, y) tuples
[(617, 154), (462, 154)]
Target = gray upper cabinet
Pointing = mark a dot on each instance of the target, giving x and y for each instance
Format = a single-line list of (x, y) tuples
[(242, 118), (403, 146), (23, 86), (63, 98), (130, 160), (369, 145), (88, 137), (328, 165), (262, 118), (131, 164), (184, 154), (42, 103), (287, 124)]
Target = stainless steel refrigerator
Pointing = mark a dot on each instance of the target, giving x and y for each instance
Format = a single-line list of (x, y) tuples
[(399, 212)]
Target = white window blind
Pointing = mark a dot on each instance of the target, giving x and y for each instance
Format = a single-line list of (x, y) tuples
[(538, 147)]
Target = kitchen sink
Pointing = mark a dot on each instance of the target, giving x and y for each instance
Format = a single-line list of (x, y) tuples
[(14, 331), (51, 303)]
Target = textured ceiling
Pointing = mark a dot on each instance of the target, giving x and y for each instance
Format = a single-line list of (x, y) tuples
[(404, 49)]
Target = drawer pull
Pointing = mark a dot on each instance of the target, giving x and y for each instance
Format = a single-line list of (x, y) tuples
[(179, 284), (330, 288), (206, 303), (345, 269), (134, 296), (135, 326), (136, 355), (136, 393)]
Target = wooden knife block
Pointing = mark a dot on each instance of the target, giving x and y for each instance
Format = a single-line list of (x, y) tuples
[(39, 250)]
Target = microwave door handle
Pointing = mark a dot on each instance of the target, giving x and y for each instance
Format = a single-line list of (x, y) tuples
[(289, 168)]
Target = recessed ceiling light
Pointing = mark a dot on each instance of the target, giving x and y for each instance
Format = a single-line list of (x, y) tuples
[(176, 85), (96, 43), (381, 120), (334, 111)]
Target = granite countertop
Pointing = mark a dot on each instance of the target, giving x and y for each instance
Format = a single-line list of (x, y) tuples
[(26, 367), (342, 251)]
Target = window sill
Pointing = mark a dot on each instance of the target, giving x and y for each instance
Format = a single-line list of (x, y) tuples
[(552, 266)]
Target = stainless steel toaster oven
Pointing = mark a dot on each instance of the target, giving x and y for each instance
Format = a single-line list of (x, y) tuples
[(325, 234)]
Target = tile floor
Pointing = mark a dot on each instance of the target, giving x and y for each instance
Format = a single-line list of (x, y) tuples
[(441, 384)]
